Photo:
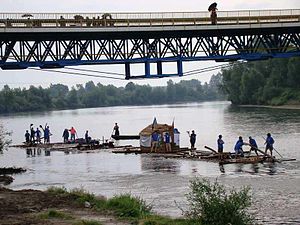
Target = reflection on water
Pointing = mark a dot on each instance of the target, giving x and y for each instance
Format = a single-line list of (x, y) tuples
[(161, 181), (159, 164), (253, 169)]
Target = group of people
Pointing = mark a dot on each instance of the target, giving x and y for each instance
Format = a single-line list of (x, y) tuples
[(157, 139), (72, 133), (35, 135), (269, 142), (238, 148)]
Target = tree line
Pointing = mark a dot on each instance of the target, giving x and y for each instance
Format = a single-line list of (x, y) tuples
[(59, 96), (269, 82)]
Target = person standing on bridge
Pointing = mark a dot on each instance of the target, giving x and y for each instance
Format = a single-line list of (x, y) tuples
[(213, 13)]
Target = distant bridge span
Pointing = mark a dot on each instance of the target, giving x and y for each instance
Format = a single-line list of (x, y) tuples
[(55, 40)]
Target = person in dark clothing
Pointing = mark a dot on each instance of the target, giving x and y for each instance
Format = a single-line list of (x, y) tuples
[(38, 135), (269, 144), (66, 135), (47, 135), (116, 129), (87, 137), (32, 134), (192, 139), (27, 137), (238, 148), (220, 143), (154, 141), (213, 13), (168, 142), (253, 145)]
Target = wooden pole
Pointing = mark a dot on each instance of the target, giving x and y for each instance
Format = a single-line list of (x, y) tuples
[(214, 151)]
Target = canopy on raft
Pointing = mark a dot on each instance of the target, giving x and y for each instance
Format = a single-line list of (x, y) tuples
[(146, 135)]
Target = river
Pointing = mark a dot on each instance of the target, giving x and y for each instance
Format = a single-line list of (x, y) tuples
[(164, 182)]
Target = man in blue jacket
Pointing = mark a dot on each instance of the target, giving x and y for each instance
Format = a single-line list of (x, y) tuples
[(238, 148), (253, 145), (269, 144)]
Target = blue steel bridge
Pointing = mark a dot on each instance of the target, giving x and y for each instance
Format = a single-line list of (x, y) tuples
[(57, 40)]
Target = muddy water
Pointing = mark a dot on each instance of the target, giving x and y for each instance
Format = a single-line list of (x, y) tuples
[(164, 182)]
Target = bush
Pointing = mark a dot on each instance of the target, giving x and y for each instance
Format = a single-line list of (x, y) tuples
[(57, 190), (211, 204), (4, 142), (128, 206)]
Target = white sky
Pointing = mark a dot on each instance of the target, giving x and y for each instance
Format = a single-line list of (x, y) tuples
[(27, 77)]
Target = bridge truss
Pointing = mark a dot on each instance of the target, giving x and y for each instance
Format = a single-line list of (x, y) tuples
[(21, 48)]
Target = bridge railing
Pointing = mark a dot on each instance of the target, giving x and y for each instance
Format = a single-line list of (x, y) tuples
[(145, 18)]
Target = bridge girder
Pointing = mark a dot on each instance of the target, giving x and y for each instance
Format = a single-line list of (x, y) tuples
[(57, 53)]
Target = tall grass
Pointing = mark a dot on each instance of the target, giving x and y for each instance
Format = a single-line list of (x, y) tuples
[(54, 214), (128, 206)]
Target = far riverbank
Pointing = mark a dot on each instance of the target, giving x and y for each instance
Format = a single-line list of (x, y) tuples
[(294, 107)]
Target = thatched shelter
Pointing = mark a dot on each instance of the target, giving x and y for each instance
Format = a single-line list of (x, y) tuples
[(161, 129)]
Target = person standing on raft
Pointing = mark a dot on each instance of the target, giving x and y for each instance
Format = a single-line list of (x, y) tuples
[(269, 144), (73, 133), (116, 130), (192, 139), (66, 135), (253, 145), (238, 148), (220, 143), (27, 137)]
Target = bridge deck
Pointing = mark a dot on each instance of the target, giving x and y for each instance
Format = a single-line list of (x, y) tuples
[(45, 20)]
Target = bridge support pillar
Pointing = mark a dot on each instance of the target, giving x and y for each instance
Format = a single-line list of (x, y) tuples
[(127, 71), (147, 69), (179, 68), (159, 68)]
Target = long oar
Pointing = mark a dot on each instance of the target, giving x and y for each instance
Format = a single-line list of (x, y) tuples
[(265, 154), (214, 151), (275, 150)]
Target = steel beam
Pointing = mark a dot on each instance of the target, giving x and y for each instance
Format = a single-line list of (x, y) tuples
[(20, 54)]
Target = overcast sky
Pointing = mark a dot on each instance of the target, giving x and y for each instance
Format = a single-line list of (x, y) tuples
[(27, 77)]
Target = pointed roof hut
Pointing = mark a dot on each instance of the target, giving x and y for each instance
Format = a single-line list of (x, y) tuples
[(161, 129)]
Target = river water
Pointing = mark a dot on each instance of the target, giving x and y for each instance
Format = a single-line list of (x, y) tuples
[(164, 182)]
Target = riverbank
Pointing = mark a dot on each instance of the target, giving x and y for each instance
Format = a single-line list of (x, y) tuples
[(37, 207), (293, 107), (57, 206)]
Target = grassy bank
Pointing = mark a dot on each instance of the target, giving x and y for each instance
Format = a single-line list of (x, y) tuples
[(208, 203), (124, 207)]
